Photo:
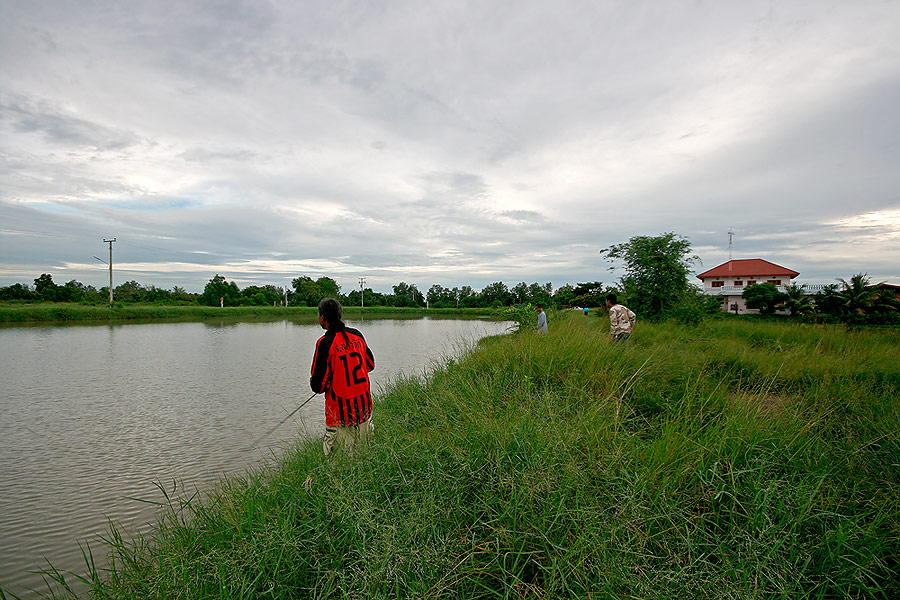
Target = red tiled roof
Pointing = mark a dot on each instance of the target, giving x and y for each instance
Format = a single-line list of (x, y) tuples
[(748, 267)]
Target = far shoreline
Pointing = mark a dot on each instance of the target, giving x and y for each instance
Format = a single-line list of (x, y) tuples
[(54, 312)]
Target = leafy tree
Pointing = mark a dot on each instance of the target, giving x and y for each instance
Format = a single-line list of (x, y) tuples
[(306, 291), (254, 295), (540, 294), (523, 315), (589, 294), (328, 288), (564, 295), (130, 291), (440, 297), (406, 294), (157, 295), (533, 294), (465, 297), (713, 304), (763, 297), (218, 287), (829, 301), (520, 292), (372, 298), (45, 289), (656, 272), (180, 295), (75, 291), (16, 291), (495, 294), (691, 308)]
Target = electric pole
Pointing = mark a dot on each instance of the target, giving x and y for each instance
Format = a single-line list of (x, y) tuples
[(362, 292), (110, 242)]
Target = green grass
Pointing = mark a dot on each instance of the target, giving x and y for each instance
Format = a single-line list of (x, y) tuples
[(729, 460), (56, 312)]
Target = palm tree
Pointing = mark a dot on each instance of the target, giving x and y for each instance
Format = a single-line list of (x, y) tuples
[(796, 300), (860, 298)]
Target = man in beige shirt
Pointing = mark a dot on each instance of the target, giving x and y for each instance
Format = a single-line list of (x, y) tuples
[(621, 319)]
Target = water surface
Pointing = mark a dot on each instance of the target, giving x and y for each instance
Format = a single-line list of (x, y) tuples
[(95, 417)]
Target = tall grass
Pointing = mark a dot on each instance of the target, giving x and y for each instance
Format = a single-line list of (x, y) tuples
[(727, 460)]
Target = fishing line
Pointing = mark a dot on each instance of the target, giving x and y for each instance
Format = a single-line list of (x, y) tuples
[(277, 425)]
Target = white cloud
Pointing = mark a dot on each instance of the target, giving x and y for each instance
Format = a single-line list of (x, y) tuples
[(453, 143)]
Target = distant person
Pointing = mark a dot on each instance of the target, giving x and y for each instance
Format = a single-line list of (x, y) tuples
[(542, 320), (341, 368), (587, 311), (621, 320)]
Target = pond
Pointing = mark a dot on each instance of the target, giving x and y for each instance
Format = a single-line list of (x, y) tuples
[(97, 417)]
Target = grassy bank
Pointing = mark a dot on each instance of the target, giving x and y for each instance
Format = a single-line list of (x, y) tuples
[(62, 312), (729, 460)]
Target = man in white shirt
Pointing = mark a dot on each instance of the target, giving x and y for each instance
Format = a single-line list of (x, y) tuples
[(621, 319), (542, 320)]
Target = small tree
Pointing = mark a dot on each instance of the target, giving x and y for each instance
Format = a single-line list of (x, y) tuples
[(45, 289), (656, 272), (132, 291), (829, 301), (796, 300), (306, 292), (328, 288), (218, 288), (17, 291), (523, 315), (495, 294), (564, 295), (589, 294), (407, 295), (763, 297)]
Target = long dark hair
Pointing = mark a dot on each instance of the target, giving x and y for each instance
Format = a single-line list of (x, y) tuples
[(332, 311)]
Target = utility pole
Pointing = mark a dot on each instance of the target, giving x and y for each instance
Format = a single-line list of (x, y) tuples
[(362, 292), (110, 242)]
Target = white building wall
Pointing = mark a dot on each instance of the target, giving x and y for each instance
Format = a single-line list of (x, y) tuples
[(733, 287)]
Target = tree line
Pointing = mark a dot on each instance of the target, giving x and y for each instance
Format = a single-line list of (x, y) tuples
[(306, 291), (655, 284), (856, 300)]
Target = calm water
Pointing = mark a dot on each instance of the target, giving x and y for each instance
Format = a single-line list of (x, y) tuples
[(93, 417)]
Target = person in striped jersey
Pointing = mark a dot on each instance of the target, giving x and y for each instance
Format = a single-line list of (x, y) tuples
[(341, 368)]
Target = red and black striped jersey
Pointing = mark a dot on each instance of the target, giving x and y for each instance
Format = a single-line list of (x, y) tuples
[(341, 368)]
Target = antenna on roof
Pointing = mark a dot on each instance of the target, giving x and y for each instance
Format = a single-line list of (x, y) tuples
[(730, 238)]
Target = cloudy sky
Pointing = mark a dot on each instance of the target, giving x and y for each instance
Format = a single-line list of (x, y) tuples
[(446, 142)]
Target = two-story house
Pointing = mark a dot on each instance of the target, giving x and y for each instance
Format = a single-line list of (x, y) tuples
[(730, 279)]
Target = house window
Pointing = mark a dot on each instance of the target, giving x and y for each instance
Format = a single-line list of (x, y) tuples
[(751, 282), (775, 281), (738, 284), (718, 283)]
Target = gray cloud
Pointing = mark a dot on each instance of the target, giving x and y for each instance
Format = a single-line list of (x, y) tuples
[(455, 143), (22, 117)]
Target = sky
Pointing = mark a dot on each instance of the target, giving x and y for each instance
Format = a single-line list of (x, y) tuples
[(444, 142)]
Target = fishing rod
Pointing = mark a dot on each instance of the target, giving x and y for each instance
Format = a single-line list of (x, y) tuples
[(281, 422)]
